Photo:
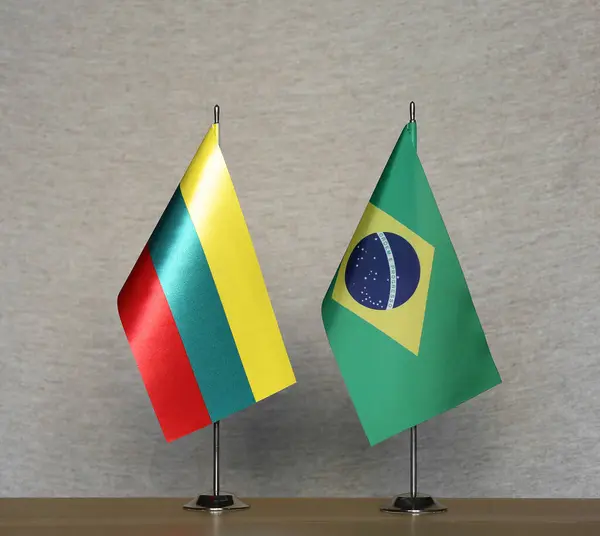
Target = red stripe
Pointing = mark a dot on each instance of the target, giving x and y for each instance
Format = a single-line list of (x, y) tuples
[(159, 352)]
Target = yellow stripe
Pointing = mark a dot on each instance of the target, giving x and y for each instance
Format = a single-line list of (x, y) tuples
[(215, 210)]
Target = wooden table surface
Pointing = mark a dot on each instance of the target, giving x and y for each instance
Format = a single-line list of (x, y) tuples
[(297, 517)]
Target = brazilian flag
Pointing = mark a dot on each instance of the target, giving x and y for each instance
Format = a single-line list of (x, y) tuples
[(398, 313)]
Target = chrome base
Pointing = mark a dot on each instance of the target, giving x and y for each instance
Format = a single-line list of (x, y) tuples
[(215, 504), (419, 504)]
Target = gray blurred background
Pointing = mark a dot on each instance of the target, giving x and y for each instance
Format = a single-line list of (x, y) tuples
[(102, 106)]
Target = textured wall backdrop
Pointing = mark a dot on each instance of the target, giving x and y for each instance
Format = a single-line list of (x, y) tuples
[(102, 106)]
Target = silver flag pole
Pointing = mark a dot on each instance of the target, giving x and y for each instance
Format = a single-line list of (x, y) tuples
[(413, 461), (217, 501), (216, 459), (413, 502)]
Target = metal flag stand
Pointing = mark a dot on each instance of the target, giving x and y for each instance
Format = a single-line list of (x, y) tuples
[(414, 503), (218, 501)]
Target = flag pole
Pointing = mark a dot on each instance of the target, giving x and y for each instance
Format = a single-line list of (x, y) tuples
[(414, 503), (216, 459), (413, 462), (216, 502), (216, 425)]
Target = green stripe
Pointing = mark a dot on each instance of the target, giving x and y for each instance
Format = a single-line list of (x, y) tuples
[(188, 284)]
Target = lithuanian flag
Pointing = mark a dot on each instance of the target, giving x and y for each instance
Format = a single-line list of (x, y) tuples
[(195, 307), (398, 313)]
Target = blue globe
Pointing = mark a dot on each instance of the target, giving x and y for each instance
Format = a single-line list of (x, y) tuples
[(383, 271)]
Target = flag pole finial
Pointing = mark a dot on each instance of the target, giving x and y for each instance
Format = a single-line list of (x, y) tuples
[(411, 111), (217, 113)]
